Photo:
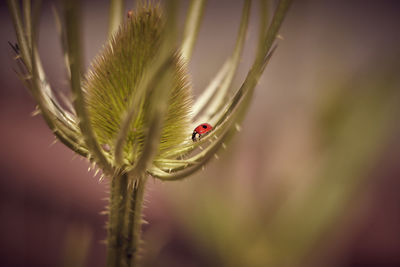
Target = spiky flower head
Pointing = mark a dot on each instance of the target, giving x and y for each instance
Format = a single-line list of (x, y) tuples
[(112, 87)]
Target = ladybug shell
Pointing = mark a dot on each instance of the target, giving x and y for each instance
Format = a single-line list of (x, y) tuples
[(201, 130)]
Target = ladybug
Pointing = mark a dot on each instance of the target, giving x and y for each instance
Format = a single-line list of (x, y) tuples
[(201, 130)]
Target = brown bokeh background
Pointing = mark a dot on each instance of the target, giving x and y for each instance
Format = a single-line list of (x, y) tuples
[(335, 55)]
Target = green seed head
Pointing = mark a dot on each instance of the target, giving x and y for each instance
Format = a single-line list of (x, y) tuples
[(112, 85)]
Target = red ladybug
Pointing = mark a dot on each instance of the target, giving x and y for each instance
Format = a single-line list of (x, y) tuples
[(201, 130)]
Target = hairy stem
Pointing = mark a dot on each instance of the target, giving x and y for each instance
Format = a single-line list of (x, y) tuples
[(134, 221), (124, 227)]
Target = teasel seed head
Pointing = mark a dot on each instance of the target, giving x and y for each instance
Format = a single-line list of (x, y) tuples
[(111, 87)]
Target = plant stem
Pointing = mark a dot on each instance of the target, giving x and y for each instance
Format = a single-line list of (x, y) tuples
[(124, 227)]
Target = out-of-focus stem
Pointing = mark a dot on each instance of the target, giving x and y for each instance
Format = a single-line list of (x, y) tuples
[(116, 16), (192, 27), (73, 33)]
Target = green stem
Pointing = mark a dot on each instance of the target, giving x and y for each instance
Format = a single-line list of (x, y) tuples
[(134, 221), (116, 16), (125, 220)]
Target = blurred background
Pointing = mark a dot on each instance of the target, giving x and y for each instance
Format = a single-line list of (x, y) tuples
[(312, 179)]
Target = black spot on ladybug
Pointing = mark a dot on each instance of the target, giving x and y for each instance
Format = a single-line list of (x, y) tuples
[(204, 126)]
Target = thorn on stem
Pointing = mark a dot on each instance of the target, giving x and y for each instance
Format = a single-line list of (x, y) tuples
[(35, 112), (53, 143), (280, 37), (238, 128)]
